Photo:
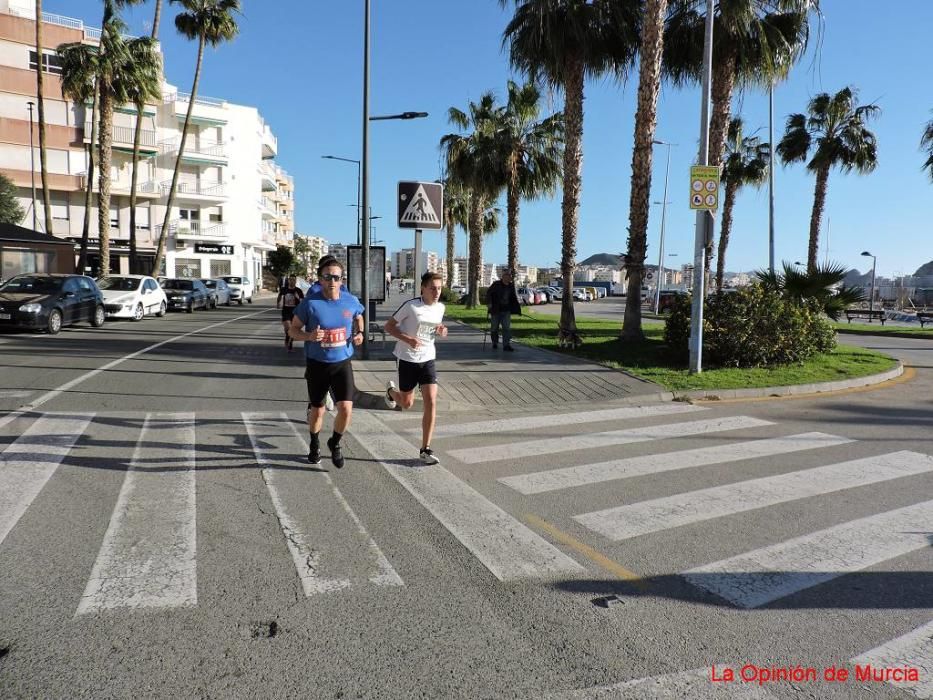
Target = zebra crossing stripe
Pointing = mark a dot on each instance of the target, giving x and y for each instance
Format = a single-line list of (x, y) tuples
[(569, 477), (622, 522), (695, 684), (553, 420), (148, 556), (27, 464), (506, 547), (912, 650), (763, 575), (573, 443)]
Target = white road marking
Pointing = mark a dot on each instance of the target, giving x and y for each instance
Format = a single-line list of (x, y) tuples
[(67, 386), (552, 420), (622, 522), (766, 574), (27, 464), (505, 546), (15, 394), (569, 477), (912, 650), (572, 443), (148, 556), (695, 684)]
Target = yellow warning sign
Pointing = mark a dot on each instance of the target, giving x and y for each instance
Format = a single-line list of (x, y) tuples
[(704, 187)]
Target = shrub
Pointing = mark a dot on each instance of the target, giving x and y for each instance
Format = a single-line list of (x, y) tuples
[(449, 297), (752, 327)]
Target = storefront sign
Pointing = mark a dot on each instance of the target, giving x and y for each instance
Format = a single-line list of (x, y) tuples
[(213, 248)]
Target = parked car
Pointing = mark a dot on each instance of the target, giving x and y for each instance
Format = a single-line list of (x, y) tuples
[(132, 296), (49, 302), (556, 294), (186, 295), (241, 288), (579, 294), (220, 290), (667, 299)]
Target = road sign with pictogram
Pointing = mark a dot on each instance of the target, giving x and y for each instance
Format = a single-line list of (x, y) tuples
[(420, 205), (704, 187)]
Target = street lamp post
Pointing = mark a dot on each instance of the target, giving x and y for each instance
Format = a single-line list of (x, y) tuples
[(32, 167), (871, 298), (657, 294), (358, 210)]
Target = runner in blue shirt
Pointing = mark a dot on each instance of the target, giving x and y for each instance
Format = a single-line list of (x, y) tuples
[(330, 324)]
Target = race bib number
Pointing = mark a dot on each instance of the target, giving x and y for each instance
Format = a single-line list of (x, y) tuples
[(334, 337), (426, 331)]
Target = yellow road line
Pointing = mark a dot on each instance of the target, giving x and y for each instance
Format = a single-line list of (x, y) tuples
[(587, 551)]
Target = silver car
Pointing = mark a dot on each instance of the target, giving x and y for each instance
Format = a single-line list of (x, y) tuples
[(221, 292)]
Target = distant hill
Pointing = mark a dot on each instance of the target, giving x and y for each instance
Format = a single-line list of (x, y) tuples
[(602, 259), (924, 270), (854, 278)]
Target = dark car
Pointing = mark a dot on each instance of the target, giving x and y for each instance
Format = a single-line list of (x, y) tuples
[(186, 295), (666, 300), (219, 291), (47, 302)]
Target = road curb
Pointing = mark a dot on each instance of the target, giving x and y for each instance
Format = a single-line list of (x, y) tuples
[(791, 390)]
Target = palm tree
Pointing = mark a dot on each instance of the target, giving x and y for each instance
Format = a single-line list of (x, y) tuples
[(137, 137), (456, 213), (823, 284), (746, 162), (210, 22), (651, 47), (563, 42), (927, 143), (79, 84), (533, 150), (40, 103), (472, 160), (835, 130)]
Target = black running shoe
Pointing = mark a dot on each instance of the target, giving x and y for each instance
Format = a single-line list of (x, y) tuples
[(314, 454), (336, 456)]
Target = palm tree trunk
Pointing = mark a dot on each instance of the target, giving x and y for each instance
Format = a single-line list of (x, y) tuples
[(40, 103), (512, 200), (137, 137), (89, 192), (570, 206), (160, 251), (451, 242), (819, 202), (646, 121), (475, 254), (727, 205), (721, 110), (105, 152)]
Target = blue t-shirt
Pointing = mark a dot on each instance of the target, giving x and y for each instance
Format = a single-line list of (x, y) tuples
[(335, 318)]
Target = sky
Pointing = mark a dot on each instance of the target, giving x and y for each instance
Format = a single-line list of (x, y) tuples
[(300, 62)]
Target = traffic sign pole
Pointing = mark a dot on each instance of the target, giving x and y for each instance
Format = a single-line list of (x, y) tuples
[(418, 271)]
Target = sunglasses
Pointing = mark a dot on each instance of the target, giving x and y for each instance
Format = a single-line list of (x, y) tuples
[(331, 278)]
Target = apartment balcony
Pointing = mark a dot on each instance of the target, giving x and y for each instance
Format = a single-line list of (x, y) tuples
[(123, 139), (267, 176), (202, 231), (204, 153), (208, 111), (268, 209), (196, 191), (270, 144), (144, 190)]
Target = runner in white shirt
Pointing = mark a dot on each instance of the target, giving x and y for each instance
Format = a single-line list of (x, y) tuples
[(415, 324)]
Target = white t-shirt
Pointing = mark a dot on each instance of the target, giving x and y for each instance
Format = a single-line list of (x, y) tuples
[(420, 320)]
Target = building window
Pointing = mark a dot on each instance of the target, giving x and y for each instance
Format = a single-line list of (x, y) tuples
[(220, 268), (188, 267), (59, 208), (142, 217), (50, 61)]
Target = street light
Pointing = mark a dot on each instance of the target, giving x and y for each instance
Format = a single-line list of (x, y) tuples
[(664, 203), (358, 219), (871, 299), (32, 160), (403, 115)]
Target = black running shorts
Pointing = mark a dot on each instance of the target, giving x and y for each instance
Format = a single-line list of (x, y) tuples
[(412, 374), (336, 377), (287, 313)]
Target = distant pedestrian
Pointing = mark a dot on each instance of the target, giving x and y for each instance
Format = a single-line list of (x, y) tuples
[(289, 297), (330, 324), (415, 324), (502, 302)]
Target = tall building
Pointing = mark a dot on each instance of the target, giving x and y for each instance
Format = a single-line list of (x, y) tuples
[(339, 251), (460, 272), (232, 203), (403, 263)]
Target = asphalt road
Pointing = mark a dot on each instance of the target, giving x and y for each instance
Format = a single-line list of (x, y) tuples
[(161, 534)]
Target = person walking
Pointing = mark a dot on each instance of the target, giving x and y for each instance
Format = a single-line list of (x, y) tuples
[(330, 324), (414, 325), (502, 302), (289, 297)]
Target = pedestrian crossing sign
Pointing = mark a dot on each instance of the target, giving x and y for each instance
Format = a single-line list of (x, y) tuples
[(420, 205)]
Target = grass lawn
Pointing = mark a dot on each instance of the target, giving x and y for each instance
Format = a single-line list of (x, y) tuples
[(878, 329), (650, 359)]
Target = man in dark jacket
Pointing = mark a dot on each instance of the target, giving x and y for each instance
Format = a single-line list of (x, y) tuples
[(502, 302)]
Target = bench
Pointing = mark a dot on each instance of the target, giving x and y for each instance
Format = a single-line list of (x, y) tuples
[(865, 313), (925, 317)]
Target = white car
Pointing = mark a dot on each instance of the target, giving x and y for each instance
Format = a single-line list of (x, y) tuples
[(240, 288), (132, 296)]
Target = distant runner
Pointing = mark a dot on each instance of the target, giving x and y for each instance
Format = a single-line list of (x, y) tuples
[(330, 323), (289, 298), (415, 325)]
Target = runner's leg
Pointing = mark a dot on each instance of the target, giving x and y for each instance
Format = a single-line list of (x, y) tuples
[(429, 396)]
